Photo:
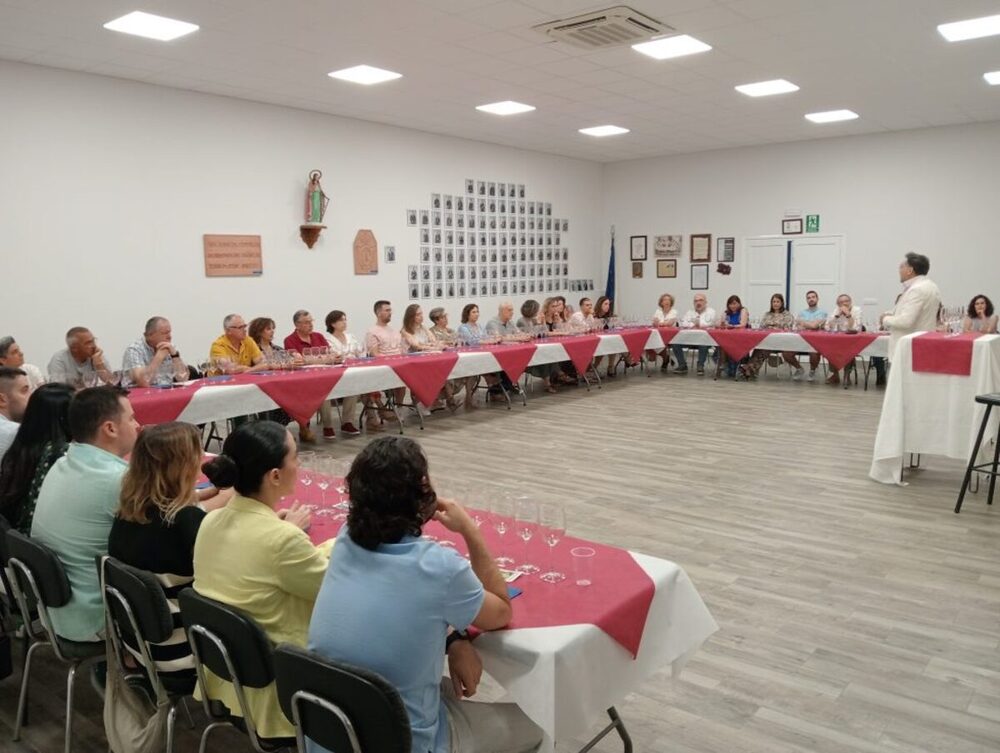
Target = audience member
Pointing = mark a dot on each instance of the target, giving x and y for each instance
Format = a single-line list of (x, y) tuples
[(916, 310), (778, 318), (78, 500), (440, 329), (41, 440), (810, 318), (344, 345), (699, 317), (846, 318), (470, 330), (261, 330), (153, 357), (664, 316), (14, 393), (447, 336), (12, 357), (383, 340), (302, 337), (531, 319), (257, 558), (503, 328), (585, 316), (980, 316), (418, 339), (604, 309), (735, 317), (383, 573), (157, 521), (233, 346), (81, 363)]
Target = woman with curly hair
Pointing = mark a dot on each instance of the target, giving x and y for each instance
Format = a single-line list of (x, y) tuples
[(384, 576), (980, 316)]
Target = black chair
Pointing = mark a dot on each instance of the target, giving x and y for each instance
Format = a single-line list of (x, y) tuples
[(235, 648), (339, 706), (139, 615), (40, 583), (988, 468)]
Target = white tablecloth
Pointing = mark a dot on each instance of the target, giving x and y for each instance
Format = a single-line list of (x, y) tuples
[(565, 678), (933, 414), (790, 341)]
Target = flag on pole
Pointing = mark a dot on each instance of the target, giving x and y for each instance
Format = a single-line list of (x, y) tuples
[(609, 289)]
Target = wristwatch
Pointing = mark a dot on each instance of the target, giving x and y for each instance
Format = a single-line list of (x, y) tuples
[(455, 635)]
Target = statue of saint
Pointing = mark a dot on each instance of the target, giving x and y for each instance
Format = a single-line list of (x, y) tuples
[(316, 200)]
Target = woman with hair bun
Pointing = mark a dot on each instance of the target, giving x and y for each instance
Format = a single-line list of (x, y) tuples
[(257, 558)]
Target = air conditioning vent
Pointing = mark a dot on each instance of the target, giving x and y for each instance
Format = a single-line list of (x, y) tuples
[(605, 28)]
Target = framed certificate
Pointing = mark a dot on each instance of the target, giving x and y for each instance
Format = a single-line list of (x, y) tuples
[(725, 249), (792, 226), (666, 267), (701, 247), (699, 277), (638, 247)]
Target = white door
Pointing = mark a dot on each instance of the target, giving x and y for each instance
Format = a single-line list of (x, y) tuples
[(767, 273), (817, 264)]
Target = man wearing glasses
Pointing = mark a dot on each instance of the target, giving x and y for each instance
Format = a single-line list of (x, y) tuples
[(234, 346)]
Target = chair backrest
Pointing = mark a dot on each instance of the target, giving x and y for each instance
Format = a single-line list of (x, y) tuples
[(47, 582), (339, 706), (216, 630), (142, 595)]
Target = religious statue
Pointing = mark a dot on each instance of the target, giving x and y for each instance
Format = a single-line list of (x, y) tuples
[(316, 204)]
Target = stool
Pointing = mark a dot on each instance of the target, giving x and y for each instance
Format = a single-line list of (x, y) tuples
[(988, 469)]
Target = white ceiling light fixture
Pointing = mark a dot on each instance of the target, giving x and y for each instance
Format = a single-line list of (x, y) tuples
[(767, 88), (151, 26), (974, 28), (832, 116), (992, 78), (365, 75), (671, 47), (604, 130), (507, 107)]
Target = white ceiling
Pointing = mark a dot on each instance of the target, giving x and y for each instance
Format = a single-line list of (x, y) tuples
[(881, 58)]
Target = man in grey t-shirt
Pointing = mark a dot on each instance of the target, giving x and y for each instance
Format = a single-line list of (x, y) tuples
[(81, 364)]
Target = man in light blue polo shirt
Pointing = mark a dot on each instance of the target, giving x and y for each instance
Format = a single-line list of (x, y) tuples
[(811, 318), (78, 500)]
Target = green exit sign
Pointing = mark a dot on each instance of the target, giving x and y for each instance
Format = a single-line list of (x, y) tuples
[(812, 223)]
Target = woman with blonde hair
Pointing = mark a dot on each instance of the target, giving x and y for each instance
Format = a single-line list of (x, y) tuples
[(159, 514)]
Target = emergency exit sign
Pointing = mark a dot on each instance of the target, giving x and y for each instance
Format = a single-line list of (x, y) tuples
[(812, 223)]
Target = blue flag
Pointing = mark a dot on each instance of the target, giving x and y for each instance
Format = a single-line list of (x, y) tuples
[(609, 289)]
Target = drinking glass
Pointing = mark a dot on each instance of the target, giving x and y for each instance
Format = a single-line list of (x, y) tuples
[(526, 523), (338, 468), (501, 517), (552, 518), (583, 563), (323, 479)]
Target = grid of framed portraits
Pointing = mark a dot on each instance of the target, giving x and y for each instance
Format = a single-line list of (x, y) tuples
[(490, 240)]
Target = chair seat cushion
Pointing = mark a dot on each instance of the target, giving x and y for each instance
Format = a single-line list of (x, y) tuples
[(81, 650)]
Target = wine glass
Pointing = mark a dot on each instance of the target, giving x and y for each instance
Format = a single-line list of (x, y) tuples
[(338, 468), (526, 523), (552, 518), (323, 479), (501, 515)]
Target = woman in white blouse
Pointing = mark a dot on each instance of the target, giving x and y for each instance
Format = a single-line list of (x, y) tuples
[(664, 316), (345, 345)]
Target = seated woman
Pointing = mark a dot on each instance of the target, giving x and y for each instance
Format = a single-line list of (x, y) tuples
[(257, 558), (344, 345), (158, 518), (261, 331), (980, 316), (664, 316), (382, 573), (529, 322), (447, 337), (734, 317), (552, 318), (472, 332), (418, 339), (778, 318), (40, 441)]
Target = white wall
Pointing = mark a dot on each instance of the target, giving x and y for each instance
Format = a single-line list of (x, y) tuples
[(935, 191), (106, 187)]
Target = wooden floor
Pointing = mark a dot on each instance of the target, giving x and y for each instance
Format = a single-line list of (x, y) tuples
[(853, 616)]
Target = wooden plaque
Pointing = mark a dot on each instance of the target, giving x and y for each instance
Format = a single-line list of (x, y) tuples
[(365, 253), (232, 256)]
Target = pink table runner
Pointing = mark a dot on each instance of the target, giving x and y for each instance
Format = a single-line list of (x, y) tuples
[(425, 375), (579, 349), (941, 353), (838, 349), (617, 601), (737, 343), (668, 333), (299, 393), (635, 341), (513, 359), (156, 406)]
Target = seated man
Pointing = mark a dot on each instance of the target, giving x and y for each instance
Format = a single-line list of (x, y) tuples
[(382, 573), (12, 357), (811, 318), (585, 316), (14, 394), (847, 318), (78, 501), (301, 338), (81, 363), (699, 317), (153, 357), (503, 326), (383, 340), (234, 346)]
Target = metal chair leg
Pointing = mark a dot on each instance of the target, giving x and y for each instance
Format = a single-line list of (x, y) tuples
[(171, 719), (204, 735), (22, 701), (187, 713), (617, 725), (70, 677), (993, 477), (972, 460)]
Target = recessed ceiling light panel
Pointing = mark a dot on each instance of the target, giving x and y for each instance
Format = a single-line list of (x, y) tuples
[(507, 107), (831, 116), (974, 28), (604, 130), (365, 74), (767, 88), (671, 47), (992, 78), (150, 26)]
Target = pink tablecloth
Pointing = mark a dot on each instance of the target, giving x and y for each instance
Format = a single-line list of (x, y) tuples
[(737, 343), (580, 349), (513, 359), (158, 406), (941, 353), (839, 349), (635, 340)]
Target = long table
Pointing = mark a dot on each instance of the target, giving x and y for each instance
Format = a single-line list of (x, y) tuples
[(210, 401)]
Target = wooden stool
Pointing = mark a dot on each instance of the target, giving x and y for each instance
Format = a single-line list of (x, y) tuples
[(989, 469)]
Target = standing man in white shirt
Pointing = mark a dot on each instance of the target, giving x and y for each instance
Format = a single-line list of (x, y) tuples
[(700, 317), (916, 310), (846, 318)]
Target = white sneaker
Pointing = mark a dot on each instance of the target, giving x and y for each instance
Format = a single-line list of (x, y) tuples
[(812, 376), (799, 373)]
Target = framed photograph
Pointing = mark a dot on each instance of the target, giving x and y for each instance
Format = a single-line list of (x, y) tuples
[(412, 274), (666, 267), (390, 254), (411, 217), (425, 255), (425, 217), (459, 203), (425, 290), (565, 226), (414, 292), (481, 187), (520, 190), (725, 249), (450, 290), (668, 246), (637, 270), (699, 277), (470, 186), (448, 203), (637, 246), (701, 247), (491, 189), (437, 236), (792, 226), (461, 290)]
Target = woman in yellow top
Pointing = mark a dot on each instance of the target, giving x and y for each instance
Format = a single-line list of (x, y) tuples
[(259, 559)]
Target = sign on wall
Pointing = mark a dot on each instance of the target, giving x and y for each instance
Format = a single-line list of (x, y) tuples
[(232, 256), (812, 223)]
